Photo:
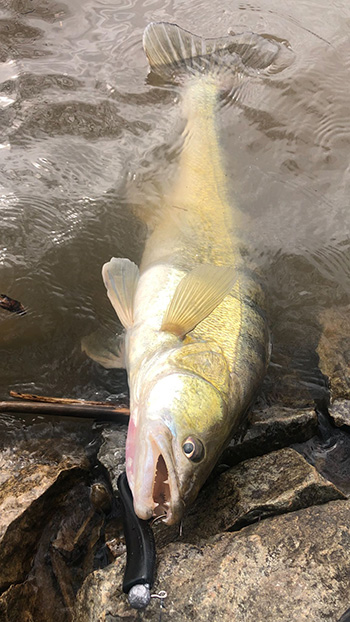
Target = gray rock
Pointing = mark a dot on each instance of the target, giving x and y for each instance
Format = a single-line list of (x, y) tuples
[(272, 428), (276, 483), (340, 412), (289, 568), (112, 451)]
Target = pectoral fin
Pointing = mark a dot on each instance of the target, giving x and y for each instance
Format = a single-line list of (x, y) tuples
[(105, 348), (196, 296), (121, 277)]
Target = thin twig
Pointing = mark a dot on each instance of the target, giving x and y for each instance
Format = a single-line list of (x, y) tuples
[(101, 412), (59, 400)]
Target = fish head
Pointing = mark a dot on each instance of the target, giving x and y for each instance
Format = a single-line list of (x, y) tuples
[(173, 443)]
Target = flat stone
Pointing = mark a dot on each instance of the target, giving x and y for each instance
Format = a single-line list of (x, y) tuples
[(33, 477), (272, 428), (291, 568), (340, 412), (276, 483)]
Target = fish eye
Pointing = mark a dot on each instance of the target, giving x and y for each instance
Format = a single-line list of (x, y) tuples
[(193, 449)]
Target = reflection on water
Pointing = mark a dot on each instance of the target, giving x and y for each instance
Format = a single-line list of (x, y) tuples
[(81, 129)]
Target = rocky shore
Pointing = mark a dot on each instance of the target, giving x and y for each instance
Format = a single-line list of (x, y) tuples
[(267, 539)]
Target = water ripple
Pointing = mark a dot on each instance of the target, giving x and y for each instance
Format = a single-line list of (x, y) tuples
[(80, 123)]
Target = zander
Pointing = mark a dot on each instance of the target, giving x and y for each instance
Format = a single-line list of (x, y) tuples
[(196, 341)]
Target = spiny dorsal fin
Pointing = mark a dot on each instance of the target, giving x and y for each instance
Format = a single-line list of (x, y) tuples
[(196, 296), (121, 277), (105, 348)]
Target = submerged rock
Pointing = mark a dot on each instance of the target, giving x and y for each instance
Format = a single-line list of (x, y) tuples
[(334, 350), (329, 452), (340, 412), (290, 568)]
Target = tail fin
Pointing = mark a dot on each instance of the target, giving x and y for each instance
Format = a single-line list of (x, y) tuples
[(172, 51)]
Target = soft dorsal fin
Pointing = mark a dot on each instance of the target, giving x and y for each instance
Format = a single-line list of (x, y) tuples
[(196, 296), (105, 348), (121, 277)]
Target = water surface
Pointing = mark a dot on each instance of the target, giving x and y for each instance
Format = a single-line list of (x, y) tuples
[(84, 137)]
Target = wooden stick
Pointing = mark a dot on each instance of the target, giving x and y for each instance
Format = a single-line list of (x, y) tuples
[(60, 400), (99, 411)]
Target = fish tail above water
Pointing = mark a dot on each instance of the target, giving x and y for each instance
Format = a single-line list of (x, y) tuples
[(173, 52)]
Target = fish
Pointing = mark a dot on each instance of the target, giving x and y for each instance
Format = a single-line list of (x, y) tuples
[(196, 343)]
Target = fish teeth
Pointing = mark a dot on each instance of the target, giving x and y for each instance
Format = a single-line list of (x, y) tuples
[(166, 481)]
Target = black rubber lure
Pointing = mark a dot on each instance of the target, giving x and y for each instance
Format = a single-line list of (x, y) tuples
[(140, 550)]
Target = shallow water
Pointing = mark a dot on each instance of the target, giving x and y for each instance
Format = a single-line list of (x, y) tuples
[(80, 126), (81, 129)]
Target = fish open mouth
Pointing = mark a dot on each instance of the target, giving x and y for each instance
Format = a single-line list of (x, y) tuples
[(161, 489)]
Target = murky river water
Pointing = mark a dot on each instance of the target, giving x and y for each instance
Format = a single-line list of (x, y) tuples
[(79, 125)]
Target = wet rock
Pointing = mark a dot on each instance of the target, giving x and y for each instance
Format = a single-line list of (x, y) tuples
[(334, 350), (340, 412), (269, 429), (276, 483), (101, 598), (33, 478), (290, 568), (329, 452), (112, 451), (71, 545)]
